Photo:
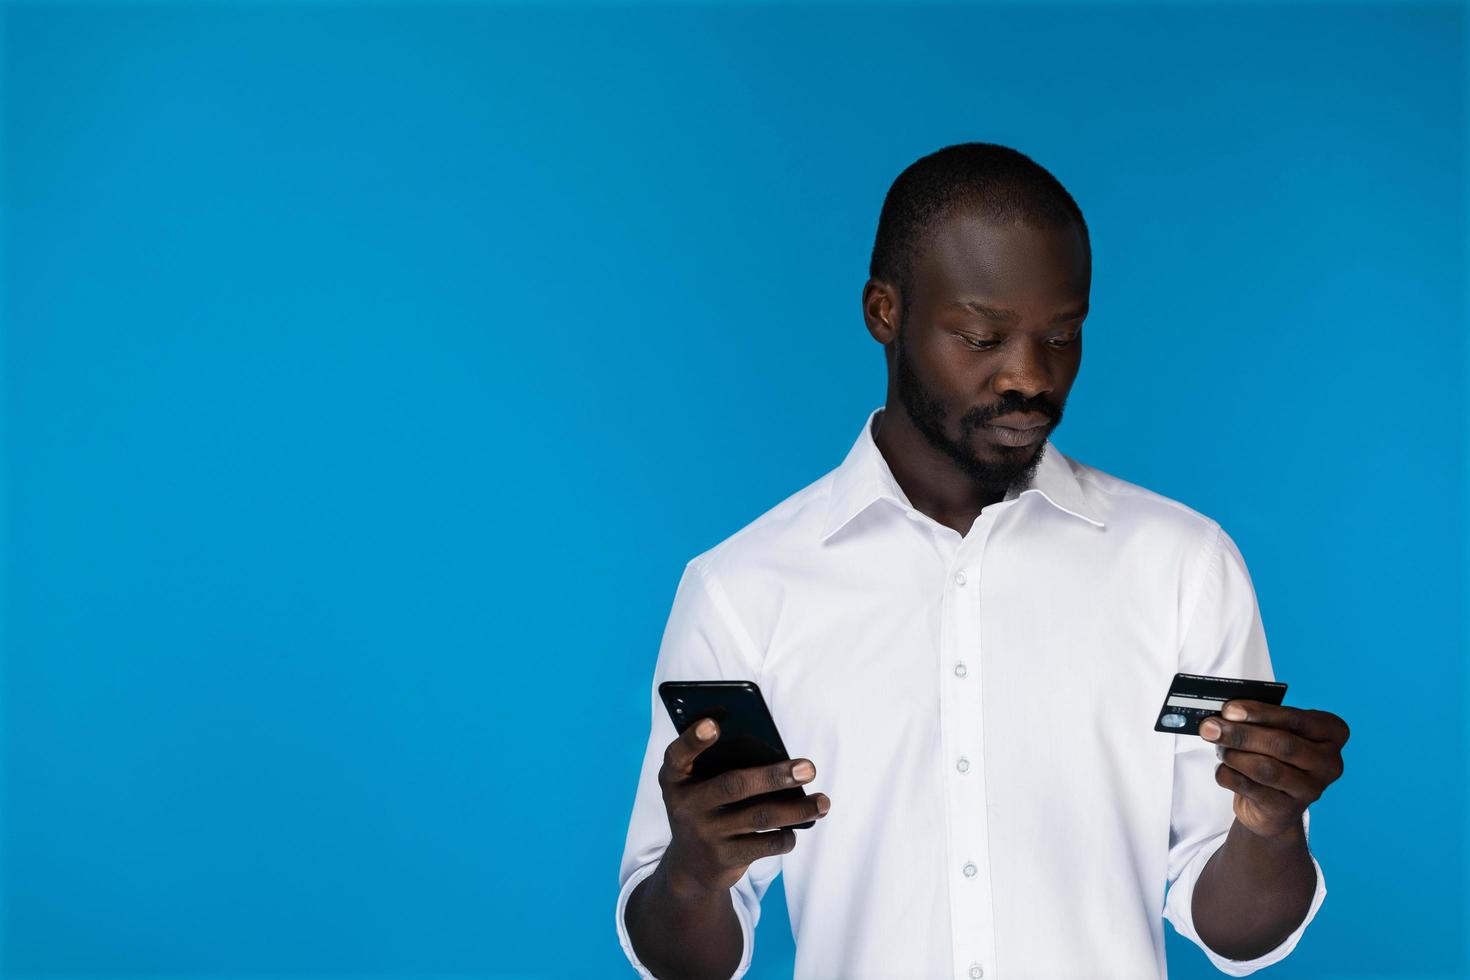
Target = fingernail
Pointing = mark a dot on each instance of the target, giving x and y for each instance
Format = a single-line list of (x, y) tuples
[(1209, 729), (1234, 712), (803, 771), (823, 805), (705, 729)]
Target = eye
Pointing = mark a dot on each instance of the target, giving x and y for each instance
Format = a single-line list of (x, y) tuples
[(973, 344)]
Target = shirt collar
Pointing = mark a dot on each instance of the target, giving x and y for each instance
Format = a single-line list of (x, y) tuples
[(865, 478)]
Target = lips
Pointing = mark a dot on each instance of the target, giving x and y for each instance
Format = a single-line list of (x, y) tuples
[(1017, 430), (1019, 422)]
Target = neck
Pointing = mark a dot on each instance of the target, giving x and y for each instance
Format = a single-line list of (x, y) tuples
[(932, 482)]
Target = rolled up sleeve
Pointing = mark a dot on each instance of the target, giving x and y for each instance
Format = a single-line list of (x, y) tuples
[(702, 641), (1224, 637)]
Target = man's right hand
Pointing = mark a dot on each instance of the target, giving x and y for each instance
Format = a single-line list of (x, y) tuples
[(713, 840)]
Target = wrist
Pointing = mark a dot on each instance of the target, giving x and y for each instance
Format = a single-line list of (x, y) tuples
[(1292, 839), (683, 887)]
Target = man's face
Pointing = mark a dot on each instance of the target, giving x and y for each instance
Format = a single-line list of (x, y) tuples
[(992, 332)]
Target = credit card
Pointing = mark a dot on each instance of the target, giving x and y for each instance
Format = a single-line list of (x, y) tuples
[(1193, 697)]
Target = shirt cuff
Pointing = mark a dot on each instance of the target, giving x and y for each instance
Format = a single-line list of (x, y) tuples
[(1178, 910), (747, 931)]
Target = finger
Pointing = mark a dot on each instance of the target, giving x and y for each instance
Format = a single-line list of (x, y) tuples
[(1319, 726), (1278, 743), (680, 755), (1269, 798), (1275, 774), (759, 815), (739, 784), (752, 847)]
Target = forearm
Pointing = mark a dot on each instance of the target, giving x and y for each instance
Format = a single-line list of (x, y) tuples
[(1253, 893), (683, 936)]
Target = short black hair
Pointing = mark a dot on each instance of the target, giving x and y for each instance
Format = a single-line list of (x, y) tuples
[(985, 179)]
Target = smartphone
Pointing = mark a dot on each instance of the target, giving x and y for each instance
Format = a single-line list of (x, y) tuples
[(748, 735)]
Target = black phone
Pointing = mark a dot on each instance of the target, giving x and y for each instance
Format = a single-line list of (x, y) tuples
[(748, 735)]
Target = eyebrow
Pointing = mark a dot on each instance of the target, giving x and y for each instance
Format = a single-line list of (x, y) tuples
[(1000, 315)]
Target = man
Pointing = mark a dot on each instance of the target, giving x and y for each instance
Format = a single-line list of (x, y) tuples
[(967, 635)]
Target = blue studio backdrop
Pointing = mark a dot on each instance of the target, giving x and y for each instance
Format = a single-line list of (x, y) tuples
[(371, 371)]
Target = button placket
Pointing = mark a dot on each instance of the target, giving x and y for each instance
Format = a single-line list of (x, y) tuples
[(963, 730)]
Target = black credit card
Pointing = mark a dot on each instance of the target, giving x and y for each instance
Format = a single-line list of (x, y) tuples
[(1193, 697)]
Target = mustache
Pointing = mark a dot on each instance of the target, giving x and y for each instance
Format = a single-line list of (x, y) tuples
[(1011, 404)]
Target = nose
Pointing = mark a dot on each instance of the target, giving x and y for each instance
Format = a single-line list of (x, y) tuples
[(1025, 370)]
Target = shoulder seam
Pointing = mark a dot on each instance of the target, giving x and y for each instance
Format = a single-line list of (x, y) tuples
[(727, 612), (1204, 563)]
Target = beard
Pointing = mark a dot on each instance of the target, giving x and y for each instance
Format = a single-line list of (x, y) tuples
[(930, 415)]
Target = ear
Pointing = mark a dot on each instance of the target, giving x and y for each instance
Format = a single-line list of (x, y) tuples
[(881, 310)]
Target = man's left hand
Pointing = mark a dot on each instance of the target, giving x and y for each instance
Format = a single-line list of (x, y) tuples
[(1276, 759)]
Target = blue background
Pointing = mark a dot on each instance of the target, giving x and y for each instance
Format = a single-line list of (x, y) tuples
[(370, 372)]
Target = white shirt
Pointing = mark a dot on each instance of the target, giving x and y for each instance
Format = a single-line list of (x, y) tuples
[(980, 710)]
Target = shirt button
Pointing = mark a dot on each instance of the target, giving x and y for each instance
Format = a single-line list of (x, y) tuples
[(959, 670), (963, 765), (969, 870), (977, 971), (959, 578)]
